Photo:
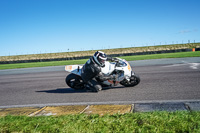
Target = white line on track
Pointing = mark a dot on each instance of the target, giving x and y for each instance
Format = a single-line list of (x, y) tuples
[(191, 65)]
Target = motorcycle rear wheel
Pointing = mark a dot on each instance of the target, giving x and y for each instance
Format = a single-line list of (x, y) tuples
[(74, 81), (134, 80)]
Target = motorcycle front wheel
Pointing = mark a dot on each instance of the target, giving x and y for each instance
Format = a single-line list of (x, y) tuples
[(74, 81), (134, 80)]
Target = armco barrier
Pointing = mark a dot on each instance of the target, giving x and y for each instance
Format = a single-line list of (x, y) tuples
[(86, 57), (197, 49)]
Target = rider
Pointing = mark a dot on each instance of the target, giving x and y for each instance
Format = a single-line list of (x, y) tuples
[(91, 71)]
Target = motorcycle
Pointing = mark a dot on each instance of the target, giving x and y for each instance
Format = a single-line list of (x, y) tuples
[(120, 70)]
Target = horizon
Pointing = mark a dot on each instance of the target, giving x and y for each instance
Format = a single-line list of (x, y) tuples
[(102, 49)]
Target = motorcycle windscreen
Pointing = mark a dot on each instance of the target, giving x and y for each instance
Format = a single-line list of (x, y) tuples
[(76, 69)]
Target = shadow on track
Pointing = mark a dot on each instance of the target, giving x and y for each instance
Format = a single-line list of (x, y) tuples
[(70, 90), (63, 90)]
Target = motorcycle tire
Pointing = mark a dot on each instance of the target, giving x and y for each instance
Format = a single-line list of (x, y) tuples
[(74, 81), (134, 80)]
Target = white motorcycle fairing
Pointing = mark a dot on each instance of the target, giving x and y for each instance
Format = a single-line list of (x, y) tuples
[(75, 69), (121, 68)]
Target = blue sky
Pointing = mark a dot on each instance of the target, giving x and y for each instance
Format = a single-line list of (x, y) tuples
[(48, 26)]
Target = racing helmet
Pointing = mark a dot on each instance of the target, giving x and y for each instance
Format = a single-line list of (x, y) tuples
[(100, 58)]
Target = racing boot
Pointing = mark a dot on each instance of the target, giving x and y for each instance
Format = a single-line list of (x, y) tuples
[(93, 86)]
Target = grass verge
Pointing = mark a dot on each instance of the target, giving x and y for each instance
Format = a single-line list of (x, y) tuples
[(180, 121), (41, 64), (128, 58), (160, 56)]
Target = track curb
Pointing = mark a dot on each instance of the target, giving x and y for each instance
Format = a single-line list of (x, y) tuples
[(101, 109)]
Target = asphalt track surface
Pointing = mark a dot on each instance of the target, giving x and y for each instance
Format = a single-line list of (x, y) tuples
[(161, 80)]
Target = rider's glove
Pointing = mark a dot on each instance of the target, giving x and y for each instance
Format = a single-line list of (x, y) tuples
[(116, 60), (112, 59)]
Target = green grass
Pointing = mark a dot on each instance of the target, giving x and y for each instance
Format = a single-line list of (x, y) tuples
[(160, 56), (161, 122), (128, 58), (41, 64)]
